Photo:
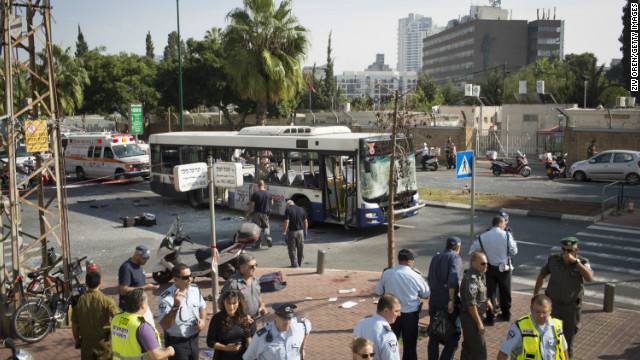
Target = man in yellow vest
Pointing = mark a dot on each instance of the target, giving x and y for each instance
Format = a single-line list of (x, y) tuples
[(131, 336), (536, 336)]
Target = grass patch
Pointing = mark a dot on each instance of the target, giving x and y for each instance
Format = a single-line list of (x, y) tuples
[(456, 196)]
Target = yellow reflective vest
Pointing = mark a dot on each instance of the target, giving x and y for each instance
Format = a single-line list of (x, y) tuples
[(123, 337), (531, 339)]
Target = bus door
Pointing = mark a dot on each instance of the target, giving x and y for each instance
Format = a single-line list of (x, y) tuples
[(338, 189)]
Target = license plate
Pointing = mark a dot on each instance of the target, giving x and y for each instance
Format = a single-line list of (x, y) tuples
[(398, 217)]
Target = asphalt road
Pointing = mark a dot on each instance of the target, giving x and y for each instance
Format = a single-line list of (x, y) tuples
[(96, 230), (536, 185)]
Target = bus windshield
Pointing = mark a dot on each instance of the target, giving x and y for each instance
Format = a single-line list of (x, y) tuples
[(128, 150), (374, 168)]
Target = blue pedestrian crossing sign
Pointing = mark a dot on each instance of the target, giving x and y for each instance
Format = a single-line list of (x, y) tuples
[(463, 164)]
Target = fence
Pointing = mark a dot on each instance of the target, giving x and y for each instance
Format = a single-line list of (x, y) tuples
[(507, 145)]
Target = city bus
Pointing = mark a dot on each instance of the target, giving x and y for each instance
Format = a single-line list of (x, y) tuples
[(337, 176)]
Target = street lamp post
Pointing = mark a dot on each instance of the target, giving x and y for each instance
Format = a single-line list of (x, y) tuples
[(179, 67), (585, 78)]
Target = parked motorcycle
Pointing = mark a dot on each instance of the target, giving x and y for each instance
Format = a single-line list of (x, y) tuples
[(170, 247), (430, 158), (500, 166), (555, 166)]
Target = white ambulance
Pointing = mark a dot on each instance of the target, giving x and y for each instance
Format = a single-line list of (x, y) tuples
[(105, 155)]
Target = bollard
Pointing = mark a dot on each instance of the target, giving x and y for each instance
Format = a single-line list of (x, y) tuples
[(320, 266), (609, 294)]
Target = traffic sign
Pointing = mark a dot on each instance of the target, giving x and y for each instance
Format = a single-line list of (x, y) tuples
[(463, 164)]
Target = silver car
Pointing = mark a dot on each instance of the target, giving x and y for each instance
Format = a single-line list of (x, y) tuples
[(609, 165)]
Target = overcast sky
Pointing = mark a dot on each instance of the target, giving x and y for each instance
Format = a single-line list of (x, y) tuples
[(361, 28)]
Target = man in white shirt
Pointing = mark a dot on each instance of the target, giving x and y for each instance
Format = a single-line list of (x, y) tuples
[(498, 245)]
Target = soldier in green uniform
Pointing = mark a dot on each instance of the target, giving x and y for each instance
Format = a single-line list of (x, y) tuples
[(91, 318), (473, 303), (567, 273)]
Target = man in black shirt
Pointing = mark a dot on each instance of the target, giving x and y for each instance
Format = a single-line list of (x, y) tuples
[(261, 199), (295, 220)]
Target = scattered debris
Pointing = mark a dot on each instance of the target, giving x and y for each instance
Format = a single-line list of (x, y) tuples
[(98, 206), (348, 304), (346, 291), (145, 219)]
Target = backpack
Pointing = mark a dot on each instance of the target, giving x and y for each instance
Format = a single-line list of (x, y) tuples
[(272, 282), (440, 327)]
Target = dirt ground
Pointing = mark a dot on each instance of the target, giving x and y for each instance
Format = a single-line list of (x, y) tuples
[(549, 205)]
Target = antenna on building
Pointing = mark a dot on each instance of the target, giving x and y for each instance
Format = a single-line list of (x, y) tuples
[(538, 14), (495, 3), (554, 13)]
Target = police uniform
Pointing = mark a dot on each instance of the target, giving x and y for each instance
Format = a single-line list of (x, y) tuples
[(565, 288), (270, 344), (525, 339), (408, 286), (378, 330), (93, 314), (183, 334), (473, 292)]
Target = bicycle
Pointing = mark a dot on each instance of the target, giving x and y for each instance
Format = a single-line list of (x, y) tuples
[(34, 320)]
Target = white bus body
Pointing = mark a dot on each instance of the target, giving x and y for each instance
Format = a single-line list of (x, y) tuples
[(105, 155), (336, 175)]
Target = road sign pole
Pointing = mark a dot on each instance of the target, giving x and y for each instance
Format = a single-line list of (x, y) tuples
[(473, 196)]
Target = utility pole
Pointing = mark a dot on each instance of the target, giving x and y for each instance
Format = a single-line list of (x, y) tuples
[(180, 67)]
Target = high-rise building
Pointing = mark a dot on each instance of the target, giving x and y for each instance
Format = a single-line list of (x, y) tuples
[(472, 46), (411, 31)]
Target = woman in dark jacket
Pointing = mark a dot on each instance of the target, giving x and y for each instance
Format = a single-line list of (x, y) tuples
[(229, 334)]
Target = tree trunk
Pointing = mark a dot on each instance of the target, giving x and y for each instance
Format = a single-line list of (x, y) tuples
[(261, 113)]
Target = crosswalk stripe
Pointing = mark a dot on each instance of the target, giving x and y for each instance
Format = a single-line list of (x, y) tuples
[(599, 279), (602, 255), (602, 267), (608, 246), (589, 293), (614, 229), (608, 237)]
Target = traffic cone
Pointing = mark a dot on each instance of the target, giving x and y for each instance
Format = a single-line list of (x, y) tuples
[(630, 206)]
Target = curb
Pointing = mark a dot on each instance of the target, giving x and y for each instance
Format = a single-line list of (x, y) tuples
[(530, 213)]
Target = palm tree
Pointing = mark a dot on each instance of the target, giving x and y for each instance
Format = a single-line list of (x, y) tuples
[(70, 76), (265, 46)]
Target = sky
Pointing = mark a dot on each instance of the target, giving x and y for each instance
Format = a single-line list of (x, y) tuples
[(360, 28)]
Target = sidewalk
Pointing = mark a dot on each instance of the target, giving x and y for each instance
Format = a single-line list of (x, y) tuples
[(603, 335)]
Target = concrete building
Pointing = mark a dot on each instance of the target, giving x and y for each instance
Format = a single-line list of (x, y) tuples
[(363, 83), (472, 46), (411, 31), (379, 65)]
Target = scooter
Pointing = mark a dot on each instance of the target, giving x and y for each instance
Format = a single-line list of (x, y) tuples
[(555, 166), (430, 159), (500, 166), (170, 247)]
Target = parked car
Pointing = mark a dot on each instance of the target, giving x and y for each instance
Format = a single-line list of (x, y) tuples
[(609, 165)]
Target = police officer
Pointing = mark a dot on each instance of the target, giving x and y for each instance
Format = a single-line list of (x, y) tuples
[(132, 337), (377, 328), (567, 273), (283, 338), (535, 336), (408, 286), (473, 303), (182, 313), (91, 318), (498, 244)]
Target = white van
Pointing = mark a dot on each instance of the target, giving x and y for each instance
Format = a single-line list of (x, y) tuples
[(105, 155)]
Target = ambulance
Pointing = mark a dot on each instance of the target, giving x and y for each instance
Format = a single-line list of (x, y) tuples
[(105, 155)]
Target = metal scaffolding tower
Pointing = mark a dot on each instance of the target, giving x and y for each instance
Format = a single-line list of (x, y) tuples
[(26, 26)]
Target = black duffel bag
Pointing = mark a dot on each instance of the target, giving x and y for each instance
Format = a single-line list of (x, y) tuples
[(441, 327)]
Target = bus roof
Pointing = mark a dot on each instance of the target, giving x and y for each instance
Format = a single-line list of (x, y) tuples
[(333, 138)]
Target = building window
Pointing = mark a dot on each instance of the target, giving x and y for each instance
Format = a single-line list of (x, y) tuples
[(530, 117)]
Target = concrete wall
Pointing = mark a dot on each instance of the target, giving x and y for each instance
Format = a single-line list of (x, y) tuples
[(547, 116), (605, 119), (577, 140)]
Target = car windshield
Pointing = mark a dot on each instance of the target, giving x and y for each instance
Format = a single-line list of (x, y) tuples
[(20, 152), (127, 150)]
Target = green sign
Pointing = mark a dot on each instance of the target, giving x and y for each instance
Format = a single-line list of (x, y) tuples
[(137, 126)]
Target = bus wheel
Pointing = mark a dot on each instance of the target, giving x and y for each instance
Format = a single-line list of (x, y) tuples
[(194, 199), (306, 205), (79, 173), (119, 175)]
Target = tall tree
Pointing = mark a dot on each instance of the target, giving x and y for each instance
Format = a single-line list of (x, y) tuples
[(329, 81), (171, 50), (70, 76), (149, 46), (265, 45), (81, 45), (625, 40)]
